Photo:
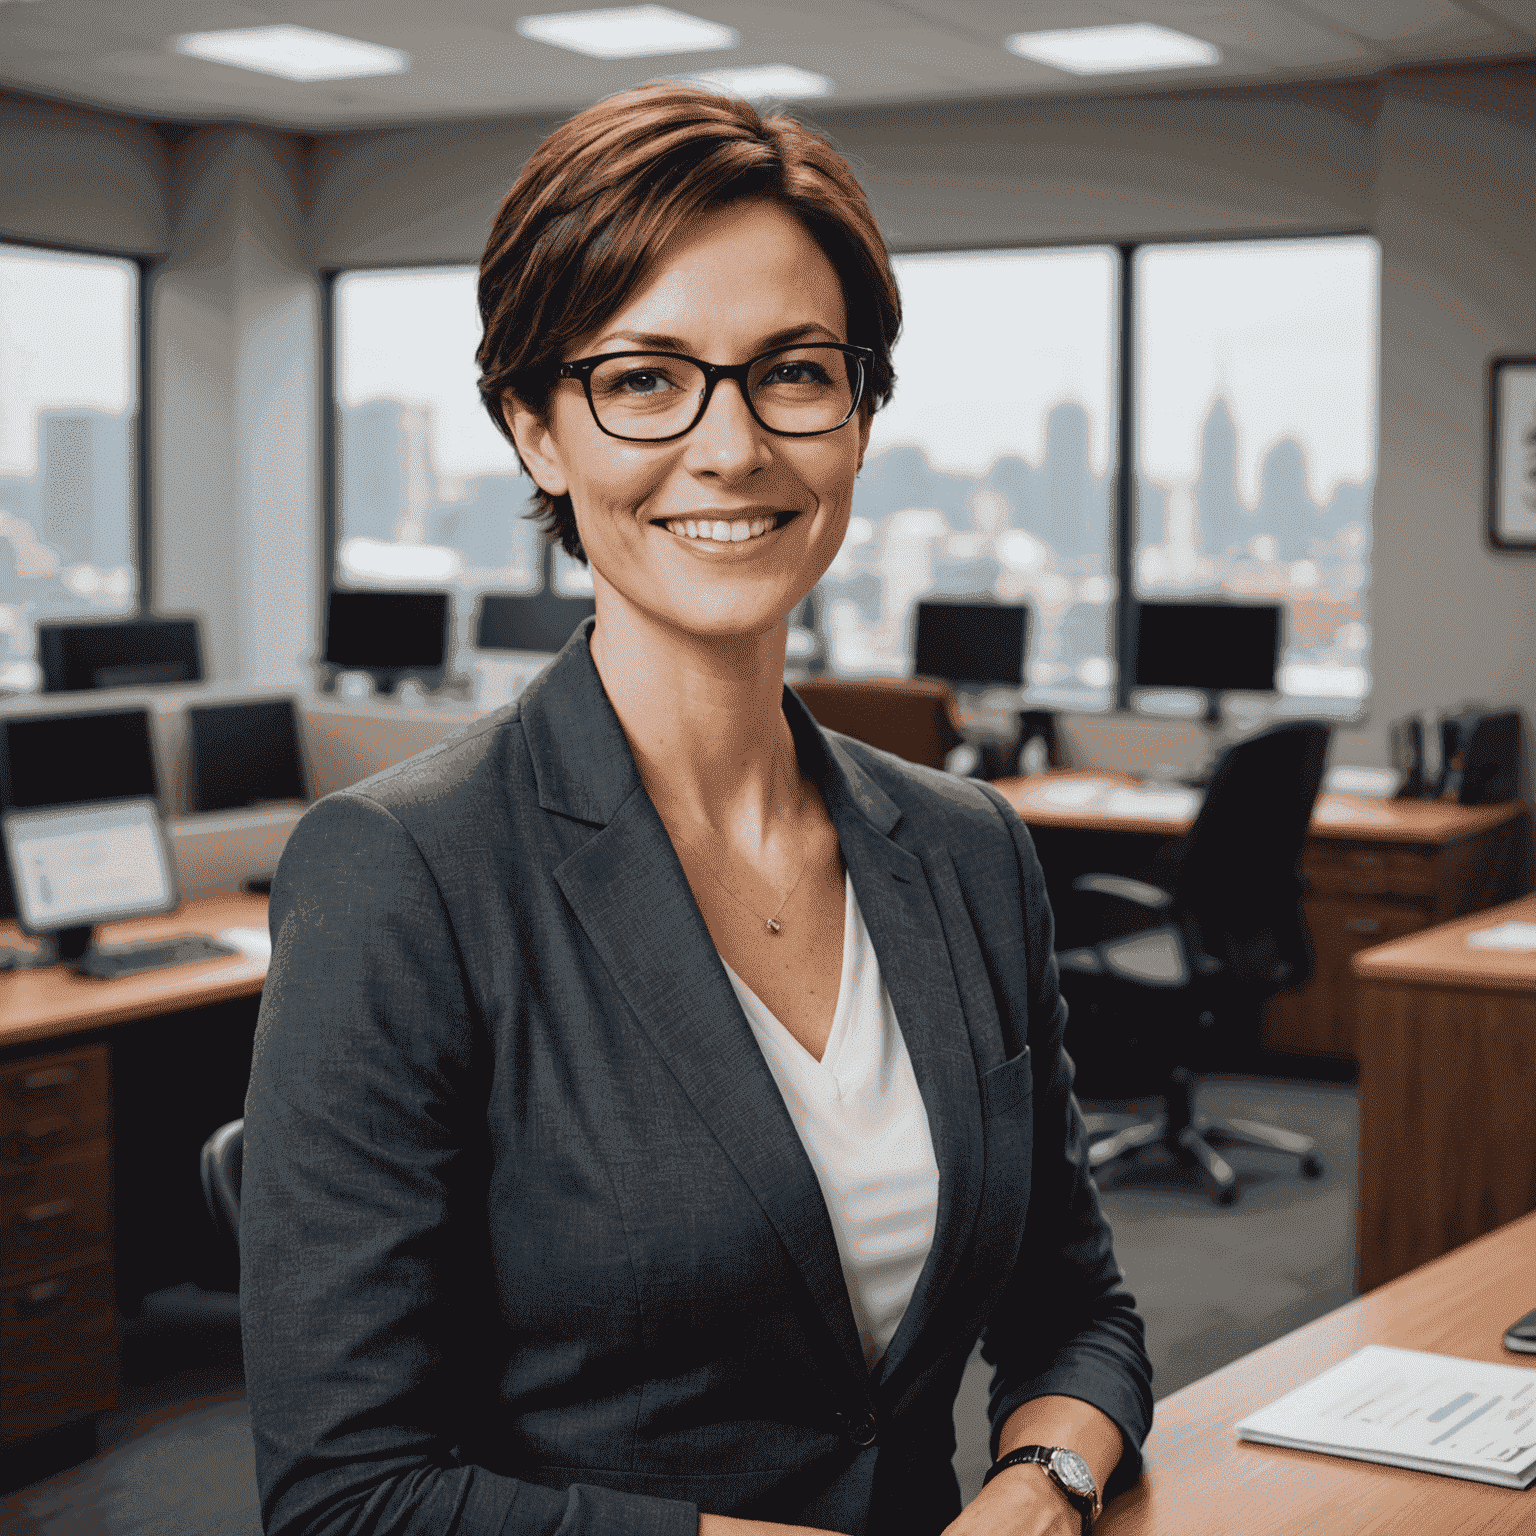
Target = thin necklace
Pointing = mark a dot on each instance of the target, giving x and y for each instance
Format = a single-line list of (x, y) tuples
[(772, 924)]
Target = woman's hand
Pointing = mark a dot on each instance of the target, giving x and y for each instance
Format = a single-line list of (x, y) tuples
[(1023, 1500), (1020, 1501)]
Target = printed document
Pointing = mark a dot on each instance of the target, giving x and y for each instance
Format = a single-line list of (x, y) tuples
[(1434, 1413)]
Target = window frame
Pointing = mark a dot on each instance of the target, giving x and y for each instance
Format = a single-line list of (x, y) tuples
[(141, 536), (1124, 521)]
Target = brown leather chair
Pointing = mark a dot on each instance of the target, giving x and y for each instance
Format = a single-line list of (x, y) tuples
[(916, 717)]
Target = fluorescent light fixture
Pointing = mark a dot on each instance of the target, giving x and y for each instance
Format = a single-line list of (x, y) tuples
[(1111, 50), (295, 53), (629, 32), (764, 82)]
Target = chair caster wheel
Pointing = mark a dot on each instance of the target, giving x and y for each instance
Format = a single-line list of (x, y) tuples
[(1311, 1167), (1226, 1195)]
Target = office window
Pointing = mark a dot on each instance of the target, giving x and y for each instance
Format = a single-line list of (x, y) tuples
[(991, 472), (69, 392), (427, 490), (1256, 441)]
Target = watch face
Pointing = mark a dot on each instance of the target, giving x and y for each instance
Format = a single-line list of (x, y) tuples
[(1072, 1470)]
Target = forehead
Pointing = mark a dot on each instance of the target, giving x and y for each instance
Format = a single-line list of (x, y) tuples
[(732, 277)]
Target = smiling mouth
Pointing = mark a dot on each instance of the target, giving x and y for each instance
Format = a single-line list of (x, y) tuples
[(719, 531)]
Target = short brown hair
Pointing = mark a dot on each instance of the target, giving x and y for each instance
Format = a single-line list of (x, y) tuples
[(603, 194)]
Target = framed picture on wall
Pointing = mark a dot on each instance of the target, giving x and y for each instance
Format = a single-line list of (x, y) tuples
[(1512, 467)]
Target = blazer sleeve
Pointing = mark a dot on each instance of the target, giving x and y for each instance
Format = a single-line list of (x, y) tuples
[(365, 1279), (1065, 1325)]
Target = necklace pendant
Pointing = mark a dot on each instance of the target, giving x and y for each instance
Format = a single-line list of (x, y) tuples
[(773, 925)]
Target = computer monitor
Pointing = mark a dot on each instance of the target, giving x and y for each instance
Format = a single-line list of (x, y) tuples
[(244, 753), (973, 645), (1210, 648), (391, 635), (76, 866), (74, 759), (535, 621), (123, 653)]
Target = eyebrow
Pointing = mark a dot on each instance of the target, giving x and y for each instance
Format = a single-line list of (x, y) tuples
[(655, 341)]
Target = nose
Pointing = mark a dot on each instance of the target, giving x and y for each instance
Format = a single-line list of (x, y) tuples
[(727, 442)]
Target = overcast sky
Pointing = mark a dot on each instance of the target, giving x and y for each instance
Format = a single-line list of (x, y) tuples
[(68, 332)]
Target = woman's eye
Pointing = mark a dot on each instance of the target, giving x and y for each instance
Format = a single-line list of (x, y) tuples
[(641, 383), (797, 373)]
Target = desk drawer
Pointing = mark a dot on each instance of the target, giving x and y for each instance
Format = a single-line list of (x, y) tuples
[(1365, 869), (47, 1102), (56, 1210), (58, 1351)]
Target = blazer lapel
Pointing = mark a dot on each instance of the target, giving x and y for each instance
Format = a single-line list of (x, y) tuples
[(632, 899), (898, 905)]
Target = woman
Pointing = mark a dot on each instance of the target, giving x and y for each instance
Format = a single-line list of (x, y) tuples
[(655, 1097)]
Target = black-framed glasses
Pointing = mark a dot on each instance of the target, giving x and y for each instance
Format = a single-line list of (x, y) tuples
[(803, 390)]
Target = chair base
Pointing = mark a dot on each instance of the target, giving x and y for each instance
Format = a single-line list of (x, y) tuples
[(1193, 1139)]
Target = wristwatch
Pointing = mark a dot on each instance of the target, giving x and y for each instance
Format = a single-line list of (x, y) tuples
[(1065, 1468)]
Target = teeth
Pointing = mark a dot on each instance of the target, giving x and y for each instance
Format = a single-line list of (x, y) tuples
[(719, 531)]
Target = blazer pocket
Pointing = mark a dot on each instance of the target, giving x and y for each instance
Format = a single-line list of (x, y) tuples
[(1006, 1087)]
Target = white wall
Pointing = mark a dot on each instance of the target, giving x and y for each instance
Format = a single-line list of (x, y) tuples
[(82, 178), (1439, 164), (235, 362)]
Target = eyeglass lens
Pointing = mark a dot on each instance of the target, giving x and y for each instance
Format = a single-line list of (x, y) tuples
[(807, 388)]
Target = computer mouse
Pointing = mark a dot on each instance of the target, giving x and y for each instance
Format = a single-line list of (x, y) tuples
[(1521, 1336)]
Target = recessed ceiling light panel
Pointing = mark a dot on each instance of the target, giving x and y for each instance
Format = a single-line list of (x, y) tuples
[(632, 32), (1113, 50), (295, 53), (764, 82)]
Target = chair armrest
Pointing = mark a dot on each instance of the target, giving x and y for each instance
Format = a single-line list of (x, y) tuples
[(1137, 892)]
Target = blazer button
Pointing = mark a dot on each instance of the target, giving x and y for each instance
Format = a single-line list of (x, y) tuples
[(861, 1429)]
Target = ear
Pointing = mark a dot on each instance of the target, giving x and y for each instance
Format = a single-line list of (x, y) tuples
[(866, 421), (536, 445)]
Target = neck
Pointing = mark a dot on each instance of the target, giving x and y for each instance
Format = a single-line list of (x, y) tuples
[(704, 719)]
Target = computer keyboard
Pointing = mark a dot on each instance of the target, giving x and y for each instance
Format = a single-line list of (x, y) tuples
[(112, 964)]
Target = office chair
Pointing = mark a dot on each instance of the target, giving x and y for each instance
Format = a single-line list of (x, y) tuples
[(1176, 963), (220, 1165), (916, 717)]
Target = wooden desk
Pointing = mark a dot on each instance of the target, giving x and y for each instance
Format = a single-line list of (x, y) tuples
[(60, 1199), (1202, 1480), (1376, 870), (1447, 1047)]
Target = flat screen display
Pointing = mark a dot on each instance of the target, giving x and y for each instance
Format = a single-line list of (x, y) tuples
[(1216, 647), (244, 754), (80, 865), (982, 643), (126, 653), (390, 631), (76, 758), (541, 621)]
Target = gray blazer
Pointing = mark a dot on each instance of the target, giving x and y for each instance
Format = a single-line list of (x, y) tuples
[(529, 1242)]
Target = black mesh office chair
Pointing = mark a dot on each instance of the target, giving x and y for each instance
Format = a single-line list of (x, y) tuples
[(220, 1165), (1179, 964)]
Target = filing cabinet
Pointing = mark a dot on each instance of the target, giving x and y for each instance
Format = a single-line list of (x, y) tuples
[(58, 1318), (1367, 892)]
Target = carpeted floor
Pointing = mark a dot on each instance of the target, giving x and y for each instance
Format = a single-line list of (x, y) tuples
[(1213, 1283)]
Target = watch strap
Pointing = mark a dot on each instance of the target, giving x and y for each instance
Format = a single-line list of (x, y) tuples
[(1087, 1505)]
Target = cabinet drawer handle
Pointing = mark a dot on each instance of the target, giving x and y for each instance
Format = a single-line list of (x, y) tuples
[(1366, 860), (43, 1081), (41, 1298), (1364, 925), (37, 1215)]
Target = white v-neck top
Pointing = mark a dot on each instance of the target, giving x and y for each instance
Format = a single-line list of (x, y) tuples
[(862, 1122)]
